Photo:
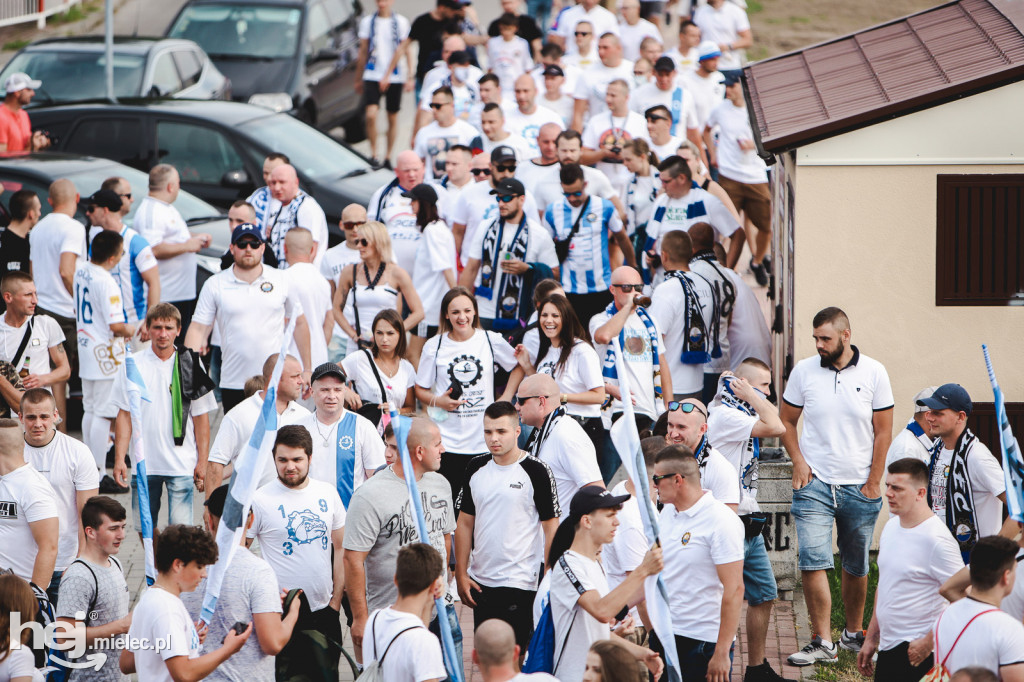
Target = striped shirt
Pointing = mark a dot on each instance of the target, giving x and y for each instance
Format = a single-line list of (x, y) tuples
[(137, 258), (587, 270)]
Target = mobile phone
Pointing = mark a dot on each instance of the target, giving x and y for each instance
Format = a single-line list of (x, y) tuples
[(456, 393), (239, 627)]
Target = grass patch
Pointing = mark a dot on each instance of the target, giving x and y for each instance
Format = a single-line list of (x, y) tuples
[(753, 6), (75, 13), (846, 669), (800, 20), (13, 45)]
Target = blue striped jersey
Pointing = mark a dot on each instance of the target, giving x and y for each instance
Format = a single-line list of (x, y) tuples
[(587, 270)]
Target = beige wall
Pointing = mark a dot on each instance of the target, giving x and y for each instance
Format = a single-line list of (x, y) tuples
[(865, 241)]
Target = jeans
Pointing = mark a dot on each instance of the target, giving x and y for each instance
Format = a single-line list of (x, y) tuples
[(179, 498), (759, 586), (694, 656), (815, 507), (453, 621), (540, 10)]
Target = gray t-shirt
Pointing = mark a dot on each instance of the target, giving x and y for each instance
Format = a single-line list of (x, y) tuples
[(86, 584), (380, 522), (250, 586)]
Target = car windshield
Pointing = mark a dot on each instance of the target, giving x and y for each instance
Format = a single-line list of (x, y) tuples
[(70, 76), (240, 31), (313, 154)]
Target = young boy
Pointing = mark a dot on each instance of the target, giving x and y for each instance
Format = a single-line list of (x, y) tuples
[(101, 333), (508, 54), (383, 39), (414, 654), (182, 554), (93, 585)]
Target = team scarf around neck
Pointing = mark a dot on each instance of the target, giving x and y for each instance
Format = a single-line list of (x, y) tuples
[(695, 339), (506, 314), (371, 48), (702, 452), (725, 397), (961, 518), (539, 435), (725, 297), (611, 374), (285, 219)]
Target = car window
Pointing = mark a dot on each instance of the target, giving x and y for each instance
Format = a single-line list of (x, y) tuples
[(226, 31), (70, 76), (107, 138), (166, 80), (200, 154), (314, 155), (189, 66), (318, 27)]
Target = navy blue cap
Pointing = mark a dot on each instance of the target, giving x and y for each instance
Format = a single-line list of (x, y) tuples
[(949, 397), (590, 498), (246, 229)]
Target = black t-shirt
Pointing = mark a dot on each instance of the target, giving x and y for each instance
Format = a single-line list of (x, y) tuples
[(426, 30), (528, 29), (13, 253)]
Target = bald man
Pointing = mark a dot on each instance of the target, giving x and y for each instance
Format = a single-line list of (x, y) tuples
[(290, 207), (337, 259), (311, 290), (380, 522), (528, 117), (558, 440), (496, 653), (536, 168), (260, 199)]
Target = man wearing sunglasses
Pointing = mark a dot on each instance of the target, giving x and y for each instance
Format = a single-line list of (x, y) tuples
[(688, 425), (590, 11), (503, 260), (447, 130), (251, 304), (123, 188), (569, 149), (659, 131), (668, 91)]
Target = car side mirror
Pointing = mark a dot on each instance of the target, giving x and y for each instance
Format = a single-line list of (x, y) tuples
[(235, 178)]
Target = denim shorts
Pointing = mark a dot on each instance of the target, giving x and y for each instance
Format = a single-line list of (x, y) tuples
[(815, 507), (759, 584)]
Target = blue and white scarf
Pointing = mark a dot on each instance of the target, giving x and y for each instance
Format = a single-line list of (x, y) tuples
[(961, 517), (371, 48), (610, 373), (695, 337), (278, 224)]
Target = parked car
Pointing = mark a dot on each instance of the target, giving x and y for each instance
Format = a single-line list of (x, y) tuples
[(37, 170), (74, 69), (295, 56), (217, 147)]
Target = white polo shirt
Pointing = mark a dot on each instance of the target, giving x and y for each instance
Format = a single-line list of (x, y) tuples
[(251, 319), (838, 436), (694, 542)]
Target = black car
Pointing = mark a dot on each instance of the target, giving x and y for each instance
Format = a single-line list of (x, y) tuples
[(217, 147), (296, 56)]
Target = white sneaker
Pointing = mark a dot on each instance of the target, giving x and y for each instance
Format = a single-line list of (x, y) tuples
[(815, 652), (851, 642)]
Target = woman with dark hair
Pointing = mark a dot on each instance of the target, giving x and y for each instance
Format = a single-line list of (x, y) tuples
[(610, 661), (455, 380), (641, 190), (17, 664), (435, 271), (381, 376), (561, 347)]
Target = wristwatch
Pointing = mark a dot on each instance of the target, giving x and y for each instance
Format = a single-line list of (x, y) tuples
[(564, 398)]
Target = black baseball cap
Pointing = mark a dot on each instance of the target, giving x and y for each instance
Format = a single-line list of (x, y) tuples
[(553, 70), (590, 498), (509, 186), (328, 369), (421, 192), (665, 63), (731, 79), (105, 198), (949, 397), (503, 153)]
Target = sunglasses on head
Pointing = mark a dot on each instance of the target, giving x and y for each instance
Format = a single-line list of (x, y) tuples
[(626, 288), (506, 169), (505, 198), (481, 171), (249, 244), (352, 225), (438, 105), (573, 194), (686, 408)]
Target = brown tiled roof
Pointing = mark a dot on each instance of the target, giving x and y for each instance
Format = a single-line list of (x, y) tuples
[(909, 64)]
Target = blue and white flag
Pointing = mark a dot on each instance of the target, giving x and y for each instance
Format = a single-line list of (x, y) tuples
[(1013, 465), (245, 480), (627, 442), (136, 394), (401, 428)]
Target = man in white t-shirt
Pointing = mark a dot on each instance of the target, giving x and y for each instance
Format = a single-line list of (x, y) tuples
[(102, 331), (38, 337), (68, 467), (838, 463), (988, 637), (508, 514), (659, 132), (685, 54), (667, 90), (605, 134), (458, 74), (413, 652), (601, 19), (532, 172), (688, 427), (914, 439), (582, 606), (556, 96), (383, 40), (290, 207), (346, 447), (56, 243), (173, 244), (489, 86), (706, 83), (633, 29), (591, 87), (528, 117), (501, 256), (558, 440), (492, 124), (297, 521), (703, 541), (447, 130), (916, 555), (175, 419), (725, 24), (568, 148), (968, 488), (181, 558), (311, 291), (237, 425), (245, 297)]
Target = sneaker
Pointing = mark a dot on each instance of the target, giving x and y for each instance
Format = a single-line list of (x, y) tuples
[(108, 486), (815, 652), (759, 274), (375, 162), (851, 642), (763, 673), (767, 263)]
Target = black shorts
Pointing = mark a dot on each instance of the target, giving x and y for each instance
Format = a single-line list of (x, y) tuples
[(512, 605), (371, 95)]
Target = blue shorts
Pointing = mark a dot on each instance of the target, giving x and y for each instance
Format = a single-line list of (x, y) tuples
[(759, 584), (815, 507)]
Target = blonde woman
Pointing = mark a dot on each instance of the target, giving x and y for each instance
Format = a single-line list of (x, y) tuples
[(371, 285)]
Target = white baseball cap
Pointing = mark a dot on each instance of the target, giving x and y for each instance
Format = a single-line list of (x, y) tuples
[(923, 394), (17, 82)]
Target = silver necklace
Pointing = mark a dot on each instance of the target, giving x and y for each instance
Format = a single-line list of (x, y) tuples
[(316, 423)]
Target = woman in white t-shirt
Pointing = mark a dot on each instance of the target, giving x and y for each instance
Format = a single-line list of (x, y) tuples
[(435, 271), (375, 283), (456, 380), (380, 376), (16, 597), (642, 189)]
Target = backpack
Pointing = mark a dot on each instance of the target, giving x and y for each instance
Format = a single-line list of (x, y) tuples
[(939, 671), (374, 671), (540, 652)]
